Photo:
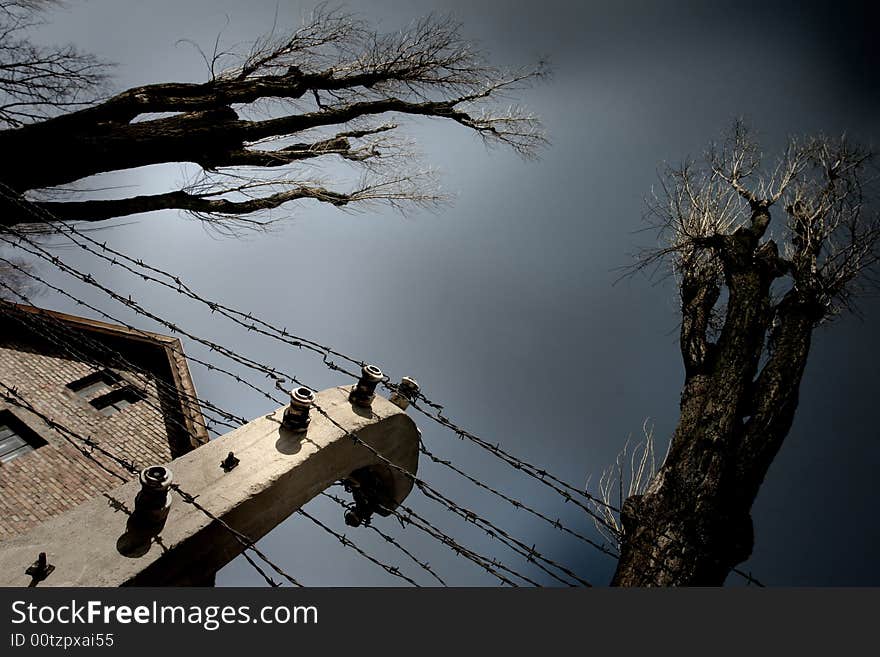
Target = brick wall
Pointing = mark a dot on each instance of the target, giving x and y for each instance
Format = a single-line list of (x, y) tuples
[(58, 476)]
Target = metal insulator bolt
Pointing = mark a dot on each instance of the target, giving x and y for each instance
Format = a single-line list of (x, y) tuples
[(365, 390), (405, 393), (153, 502), (296, 416)]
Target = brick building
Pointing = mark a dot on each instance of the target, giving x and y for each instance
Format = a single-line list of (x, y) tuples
[(128, 391)]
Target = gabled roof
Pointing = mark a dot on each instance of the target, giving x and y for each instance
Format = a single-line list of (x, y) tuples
[(170, 348)]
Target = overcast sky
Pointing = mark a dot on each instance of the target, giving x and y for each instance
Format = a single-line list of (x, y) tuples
[(504, 305)]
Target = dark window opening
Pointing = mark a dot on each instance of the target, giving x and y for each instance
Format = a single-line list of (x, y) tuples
[(92, 384), (16, 438), (115, 401)]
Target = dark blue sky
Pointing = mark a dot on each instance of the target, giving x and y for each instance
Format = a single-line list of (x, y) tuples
[(504, 305)]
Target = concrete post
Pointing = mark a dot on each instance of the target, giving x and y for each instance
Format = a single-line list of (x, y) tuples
[(102, 543)]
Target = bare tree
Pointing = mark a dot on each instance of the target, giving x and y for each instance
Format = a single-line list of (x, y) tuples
[(328, 89), (752, 293)]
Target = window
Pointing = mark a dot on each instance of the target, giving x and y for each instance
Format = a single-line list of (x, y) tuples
[(116, 400), (106, 391), (99, 382), (16, 439)]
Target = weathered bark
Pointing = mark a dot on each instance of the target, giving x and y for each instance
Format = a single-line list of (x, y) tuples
[(693, 524)]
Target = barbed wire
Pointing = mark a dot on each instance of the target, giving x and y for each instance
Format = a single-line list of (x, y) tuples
[(389, 539), (346, 542), (517, 504), (242, 318), (133, 468), (490, 565), (242, 538), (503, 537), (560, 486), (520, 505), (540, 475), (564, 489)]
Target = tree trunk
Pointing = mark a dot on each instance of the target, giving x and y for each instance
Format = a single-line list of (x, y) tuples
[(693, 524)]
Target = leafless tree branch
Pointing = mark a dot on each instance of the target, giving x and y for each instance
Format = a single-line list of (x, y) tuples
[(37, 82), (334, 73)]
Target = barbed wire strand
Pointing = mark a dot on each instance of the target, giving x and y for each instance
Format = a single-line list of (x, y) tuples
[(491, 566)]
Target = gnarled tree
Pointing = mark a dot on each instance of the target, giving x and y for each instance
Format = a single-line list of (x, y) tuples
[(322, 90), (761, 258)]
